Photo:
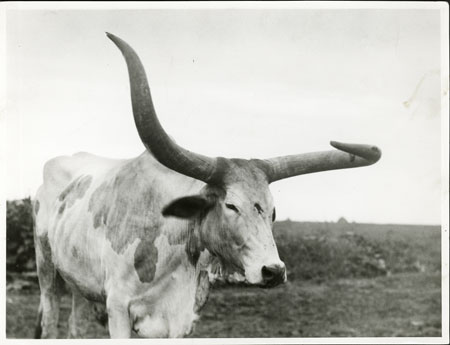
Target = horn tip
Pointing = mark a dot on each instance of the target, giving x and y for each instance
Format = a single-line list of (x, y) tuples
[(110, 35), (335, 144), (377, 153), (371, 152)]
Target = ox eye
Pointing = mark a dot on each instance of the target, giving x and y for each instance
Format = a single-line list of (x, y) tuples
[(232, 207), (259, 208), (274, 215)]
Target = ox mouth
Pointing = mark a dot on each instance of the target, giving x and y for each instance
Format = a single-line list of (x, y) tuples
[(227, 274), (263, 285), (272, 284)]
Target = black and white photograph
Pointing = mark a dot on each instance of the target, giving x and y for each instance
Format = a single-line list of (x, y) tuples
[(225, 172)]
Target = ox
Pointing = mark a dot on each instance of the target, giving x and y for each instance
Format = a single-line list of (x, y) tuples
[(144, 237)]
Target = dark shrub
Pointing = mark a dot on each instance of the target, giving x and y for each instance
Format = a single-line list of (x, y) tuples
[(20, 254)]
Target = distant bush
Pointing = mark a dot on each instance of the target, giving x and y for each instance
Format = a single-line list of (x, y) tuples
[(343, 250), (325, 257), (20, 254), (310, 250)]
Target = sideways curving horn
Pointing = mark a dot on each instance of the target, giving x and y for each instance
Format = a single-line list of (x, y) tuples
[(155, 139), (348, 156), (204, 168)]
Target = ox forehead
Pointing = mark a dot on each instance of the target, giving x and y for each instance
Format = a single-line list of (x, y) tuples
[(237, 170), (241, 179)]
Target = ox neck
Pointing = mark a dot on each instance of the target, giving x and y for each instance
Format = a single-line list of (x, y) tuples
[(161, 181)]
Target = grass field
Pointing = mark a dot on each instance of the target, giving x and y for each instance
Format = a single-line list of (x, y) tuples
[(396, 306), (345, 280)]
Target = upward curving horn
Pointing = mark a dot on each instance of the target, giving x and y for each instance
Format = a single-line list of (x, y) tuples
[(150, 130), (347, 156)]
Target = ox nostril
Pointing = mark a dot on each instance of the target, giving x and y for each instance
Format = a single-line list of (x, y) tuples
[(273, 274), (268, 272)]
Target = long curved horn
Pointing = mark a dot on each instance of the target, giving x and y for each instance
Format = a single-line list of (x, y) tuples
[(348, 156), (150, 130)]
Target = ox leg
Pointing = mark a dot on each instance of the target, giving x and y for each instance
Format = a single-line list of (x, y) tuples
[(50, 284), (79, 317), (119, 323)]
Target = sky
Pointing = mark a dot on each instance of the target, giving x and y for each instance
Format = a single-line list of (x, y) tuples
[(248, 83)]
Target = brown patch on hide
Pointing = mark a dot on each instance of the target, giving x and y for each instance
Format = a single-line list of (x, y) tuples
[(145, 259), (101, 215), (129, 207), (74, 191), (45, 266), (202, 291), (44, 244), (61, 209)]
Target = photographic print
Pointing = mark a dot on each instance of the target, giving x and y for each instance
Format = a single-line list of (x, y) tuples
[(226, 172)]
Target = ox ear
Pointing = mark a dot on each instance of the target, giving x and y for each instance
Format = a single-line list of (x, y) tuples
[(188, 206)]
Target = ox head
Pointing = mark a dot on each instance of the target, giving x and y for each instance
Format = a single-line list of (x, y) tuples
[(235, 208)]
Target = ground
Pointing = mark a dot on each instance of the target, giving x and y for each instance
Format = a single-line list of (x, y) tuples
[(400, 305)]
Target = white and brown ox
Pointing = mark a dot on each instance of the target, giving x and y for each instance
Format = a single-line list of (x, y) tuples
[(144, 236)]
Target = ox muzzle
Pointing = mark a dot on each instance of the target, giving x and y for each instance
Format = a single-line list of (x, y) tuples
[(273, 275)]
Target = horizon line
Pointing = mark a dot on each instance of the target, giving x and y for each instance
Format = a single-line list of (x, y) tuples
[(289, 219)]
